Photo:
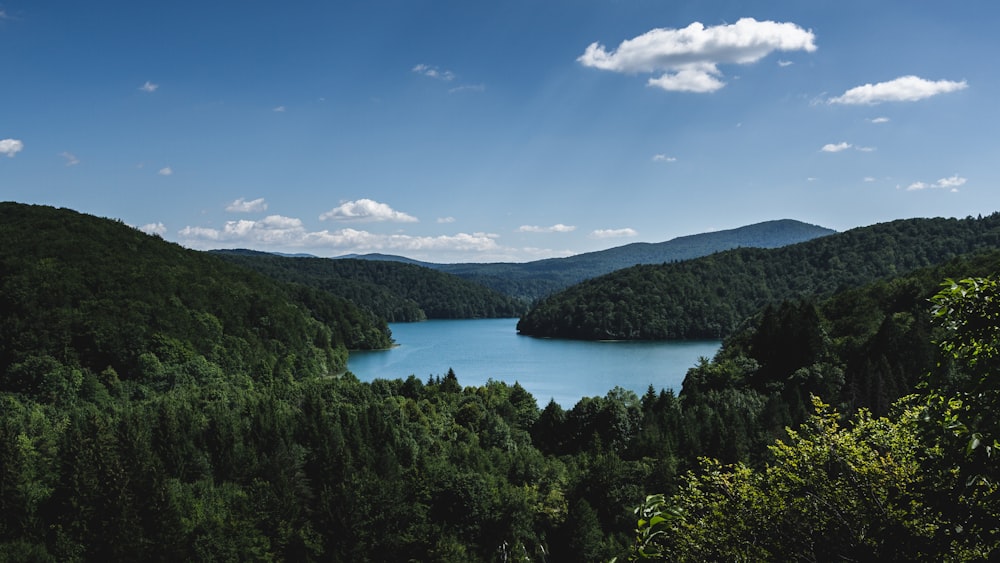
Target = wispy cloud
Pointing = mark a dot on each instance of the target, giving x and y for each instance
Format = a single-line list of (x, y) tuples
[(664, 158), (782, 63), (10, 147), (614, 233), (243, 206), (868, 179), (165, 171), (366, 210), (951, 184), (843, 146), (689, 58), (149, 87), (71, 159), (557, 228), (878, 120), (468, 88), (903, 89), (431, 71), (443, 220), (279, 109)]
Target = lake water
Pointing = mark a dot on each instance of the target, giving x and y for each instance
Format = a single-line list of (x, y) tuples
[(564, 370)]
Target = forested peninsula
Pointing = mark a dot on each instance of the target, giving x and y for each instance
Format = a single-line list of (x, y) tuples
[(710, 297), (162, 404)]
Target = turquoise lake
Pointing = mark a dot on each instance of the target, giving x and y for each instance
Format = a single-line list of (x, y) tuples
[(564, 370)]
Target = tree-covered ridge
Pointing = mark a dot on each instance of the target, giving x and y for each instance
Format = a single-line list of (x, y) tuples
[(710, 297), (95, 294), (534, 280), (395, 291)]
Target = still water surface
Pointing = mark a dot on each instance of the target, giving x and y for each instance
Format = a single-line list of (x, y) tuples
[(564, 370)]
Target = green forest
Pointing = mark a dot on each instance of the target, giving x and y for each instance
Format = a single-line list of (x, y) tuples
[(393, 291), (710, 297), (161, 404)]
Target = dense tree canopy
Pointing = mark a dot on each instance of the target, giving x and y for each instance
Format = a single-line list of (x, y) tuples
[(711, 297), (162, 404), (395, 291)]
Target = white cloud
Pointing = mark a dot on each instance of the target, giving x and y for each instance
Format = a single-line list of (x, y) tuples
[(289, 233), (785, 63), (688, 58), (442, 220), (364, 210), (614, 233), (664, 158), (843, 146), (279, 109), (243, 206), (557, 228), (868, 179), (154, 229), (880, 120), (830, 147), (165, 171), (903, 89), (10, 147), (952, 183), (149, 87), (434, 72), (71, 159)]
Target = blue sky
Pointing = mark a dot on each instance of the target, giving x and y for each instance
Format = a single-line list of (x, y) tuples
[(496, 131)]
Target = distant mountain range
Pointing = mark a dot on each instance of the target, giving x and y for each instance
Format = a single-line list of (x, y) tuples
[(533, 280)]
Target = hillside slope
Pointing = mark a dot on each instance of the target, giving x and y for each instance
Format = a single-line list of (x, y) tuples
[(395, 291), (95, 294), (709, 297)]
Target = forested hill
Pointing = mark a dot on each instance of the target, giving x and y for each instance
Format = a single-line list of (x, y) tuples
[(533, 280), (395, 291), (710, 296), (95, 294)]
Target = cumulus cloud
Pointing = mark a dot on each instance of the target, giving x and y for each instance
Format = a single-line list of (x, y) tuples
[(688, 58), (165, 171), (664, 158), (289, 232), (366, 210), (433, 72), (71, 159), (831, 147), (903, 89), (951, 184), (154, 229), (149, 87), (614, 233), (243, 206), (557, 228), (10, 147)]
